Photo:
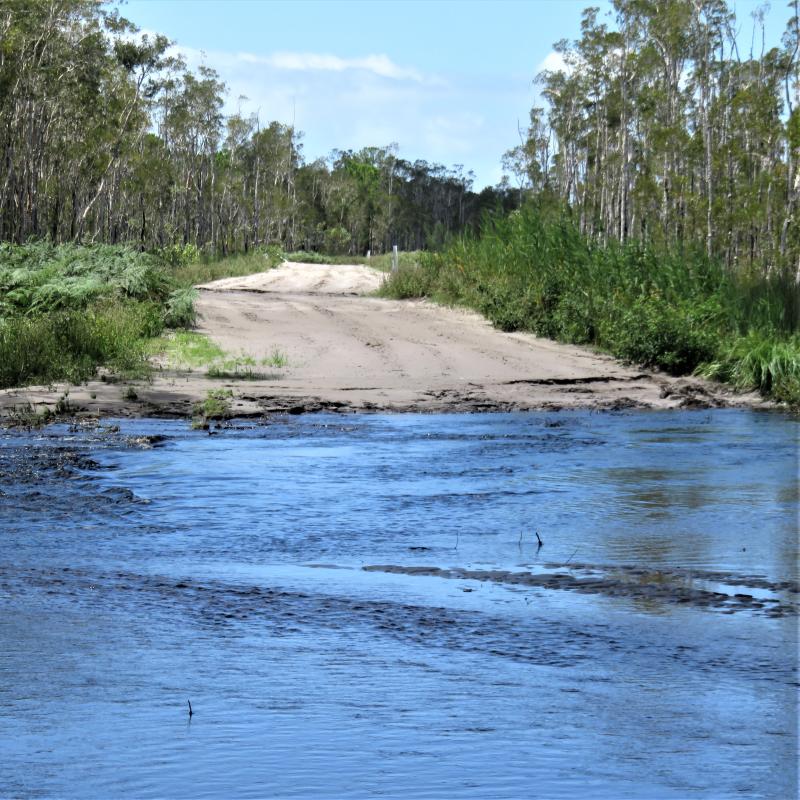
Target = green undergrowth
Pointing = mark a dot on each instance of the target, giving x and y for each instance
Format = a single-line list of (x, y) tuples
[(759, 362), (66, 310), (216, 406), (675, 311), (70, 345)]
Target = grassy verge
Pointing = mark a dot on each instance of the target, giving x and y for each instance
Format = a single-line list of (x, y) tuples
[(679, 312), (66, 310), (70, 345)]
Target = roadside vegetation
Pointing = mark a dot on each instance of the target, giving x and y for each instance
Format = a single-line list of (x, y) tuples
[(66, 310), (675, 310)]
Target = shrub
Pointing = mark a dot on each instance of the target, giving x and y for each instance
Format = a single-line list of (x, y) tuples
[(70, 345), (655, 334), (756, 361), (180, 311), (672, 309), (179, 255)]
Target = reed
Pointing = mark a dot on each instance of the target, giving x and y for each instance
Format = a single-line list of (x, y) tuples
[(674, 310)]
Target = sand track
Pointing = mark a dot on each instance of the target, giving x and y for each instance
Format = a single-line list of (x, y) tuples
[(350, 351)]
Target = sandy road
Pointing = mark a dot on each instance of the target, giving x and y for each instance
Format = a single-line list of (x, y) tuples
[(350, 351)]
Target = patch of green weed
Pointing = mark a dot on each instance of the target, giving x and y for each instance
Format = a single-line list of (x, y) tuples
[(216, 406), (186, 349), (277, 358)]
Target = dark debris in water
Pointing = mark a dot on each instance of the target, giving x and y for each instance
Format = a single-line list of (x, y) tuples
[(635, 583), (218, 605), (55, 473)]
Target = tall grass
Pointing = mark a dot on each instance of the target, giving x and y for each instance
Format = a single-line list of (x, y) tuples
[(676, 311), (70, 345), (67, 309)]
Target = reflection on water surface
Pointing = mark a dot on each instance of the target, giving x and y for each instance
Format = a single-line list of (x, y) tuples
[(358, 606)]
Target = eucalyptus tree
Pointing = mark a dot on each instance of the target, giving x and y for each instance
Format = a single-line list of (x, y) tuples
[(107, 135), (662, 129)]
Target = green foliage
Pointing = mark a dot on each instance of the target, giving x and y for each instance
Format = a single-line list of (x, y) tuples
[(179, 255), (337, 240), (662, 308), (758, 361), (216, 406), (417, 280), (40, 277), (70, 345), (67, 309), (180, 311), (656, 128), (653, 334), (186, 349)]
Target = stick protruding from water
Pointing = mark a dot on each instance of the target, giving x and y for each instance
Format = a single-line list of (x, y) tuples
[(190, 708), (538, 539)]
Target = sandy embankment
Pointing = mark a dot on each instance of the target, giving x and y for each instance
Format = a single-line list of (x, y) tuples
[(349, 351)]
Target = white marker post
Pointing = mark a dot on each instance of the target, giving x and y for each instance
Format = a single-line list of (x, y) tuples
[(394, 258)]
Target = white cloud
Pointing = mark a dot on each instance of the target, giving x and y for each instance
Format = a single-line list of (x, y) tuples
[(553, 62), (350, 102), (380, 65)]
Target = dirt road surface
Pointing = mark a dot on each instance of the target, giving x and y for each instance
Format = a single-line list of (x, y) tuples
[(349, 351)]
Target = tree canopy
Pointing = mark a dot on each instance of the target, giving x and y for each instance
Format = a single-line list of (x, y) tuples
[(660, 128), (107, 136)]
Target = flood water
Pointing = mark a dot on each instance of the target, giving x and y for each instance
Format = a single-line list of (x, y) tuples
[(357, 606)]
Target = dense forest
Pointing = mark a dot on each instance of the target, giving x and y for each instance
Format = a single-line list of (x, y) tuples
[(658, 128), (107, 137), (663, 128)]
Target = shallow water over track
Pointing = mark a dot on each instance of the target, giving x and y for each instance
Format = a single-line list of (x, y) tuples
[(357, 606)]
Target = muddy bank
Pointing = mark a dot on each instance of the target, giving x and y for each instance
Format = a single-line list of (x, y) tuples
[(351, 352)]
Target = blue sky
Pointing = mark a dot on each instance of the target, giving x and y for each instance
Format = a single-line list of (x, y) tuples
[(447, 81)]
